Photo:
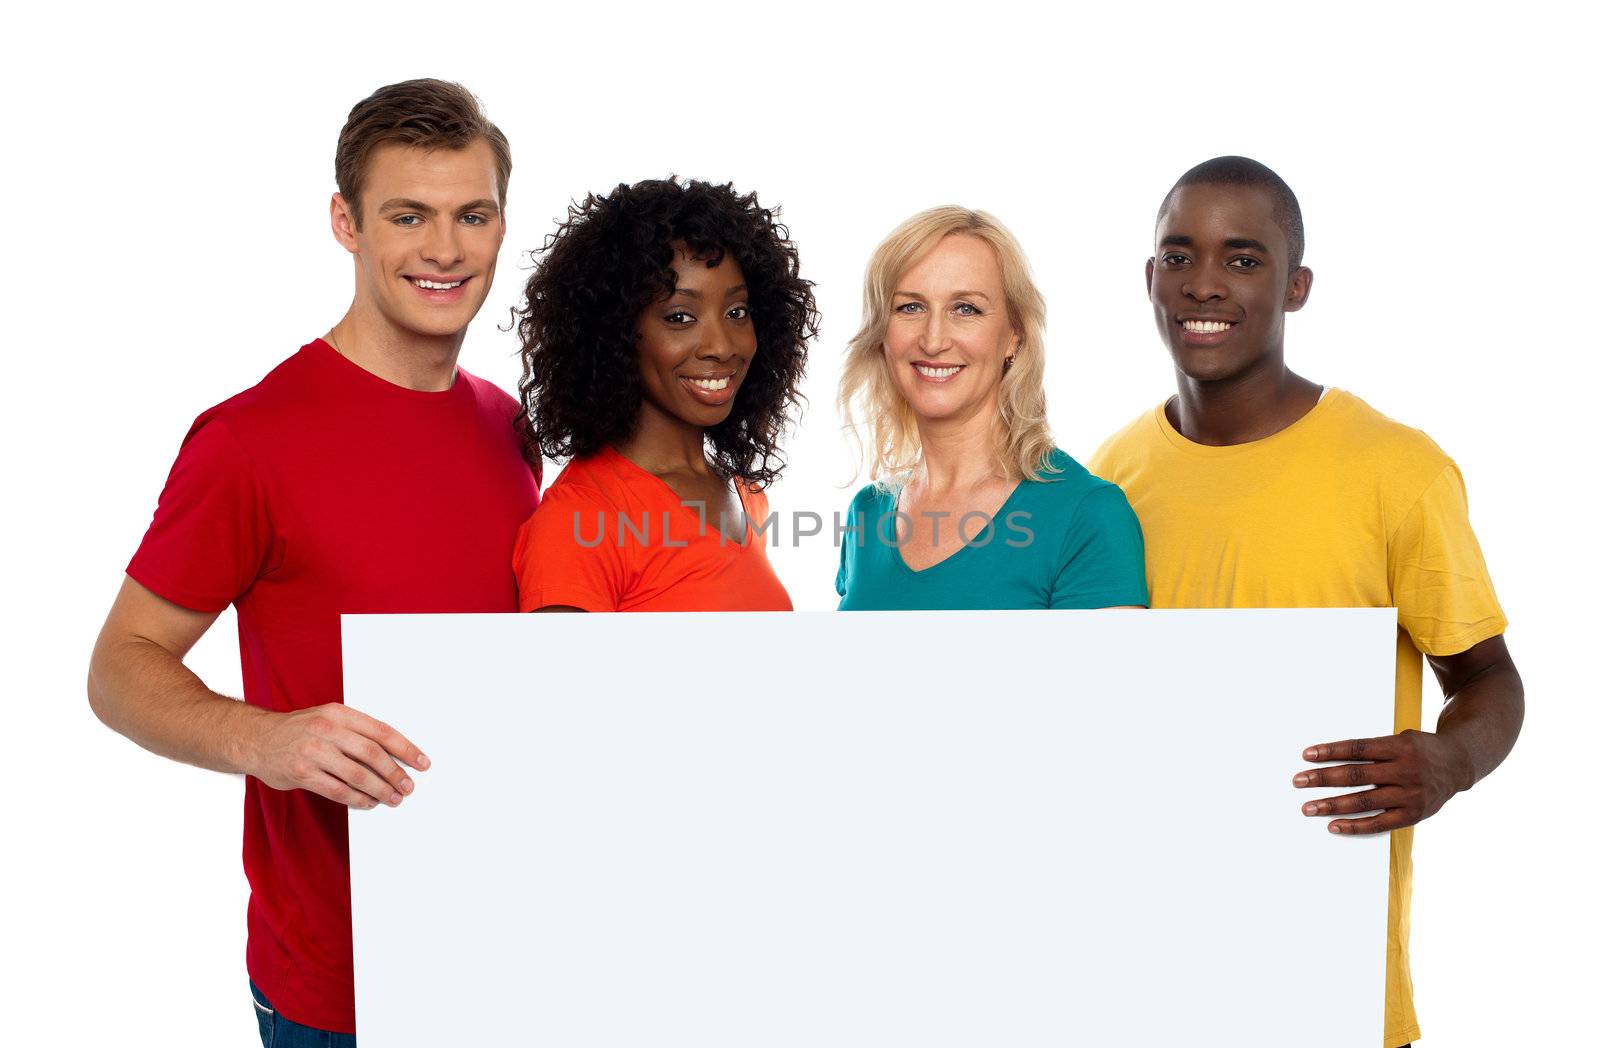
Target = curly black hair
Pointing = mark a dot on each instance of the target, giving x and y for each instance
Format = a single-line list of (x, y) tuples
[(610, 259)]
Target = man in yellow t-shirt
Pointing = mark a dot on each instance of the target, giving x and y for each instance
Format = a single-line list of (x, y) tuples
[(1257, 488)]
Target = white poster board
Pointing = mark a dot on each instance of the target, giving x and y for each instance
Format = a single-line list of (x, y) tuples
[(869, 829)]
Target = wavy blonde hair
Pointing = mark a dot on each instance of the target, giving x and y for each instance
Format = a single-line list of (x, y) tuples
[(875, 413)]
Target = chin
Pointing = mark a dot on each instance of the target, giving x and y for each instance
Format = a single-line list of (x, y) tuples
[(1203, 368), (438, 327)]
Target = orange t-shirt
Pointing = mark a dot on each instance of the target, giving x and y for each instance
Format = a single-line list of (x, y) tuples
[(608, 536)]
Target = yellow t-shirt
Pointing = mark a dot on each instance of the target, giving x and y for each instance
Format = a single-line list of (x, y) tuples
[(1345, 508)]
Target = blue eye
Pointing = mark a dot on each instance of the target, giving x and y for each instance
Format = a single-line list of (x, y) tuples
[(474, 220), (967, 309), (407, 220), (908, 307)]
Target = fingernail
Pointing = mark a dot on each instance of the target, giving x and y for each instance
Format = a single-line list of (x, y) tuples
[(1334, 827), (394, 799), (1302, 779), (1310, 809), (1310, 754), (406, 786), (422, 760)]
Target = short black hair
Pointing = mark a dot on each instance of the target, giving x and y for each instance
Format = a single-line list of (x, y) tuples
[(1242, 171), (612, 257)]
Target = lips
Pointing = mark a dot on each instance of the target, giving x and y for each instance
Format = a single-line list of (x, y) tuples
[(931, 372), (712, 390), (1204, 330), (441, 289)]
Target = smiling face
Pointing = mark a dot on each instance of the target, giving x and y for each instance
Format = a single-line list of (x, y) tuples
[(430, 233), (695, 346), (950, 332), (1221, 281)]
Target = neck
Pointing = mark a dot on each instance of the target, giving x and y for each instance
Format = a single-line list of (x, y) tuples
[(664, 444), (1246, 407), (405, 358), (959, 453)]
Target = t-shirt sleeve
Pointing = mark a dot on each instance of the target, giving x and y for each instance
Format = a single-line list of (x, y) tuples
[(211, 536), (1438, 577), (858, 517), (1102, 555), (567, 553), (841, 581)]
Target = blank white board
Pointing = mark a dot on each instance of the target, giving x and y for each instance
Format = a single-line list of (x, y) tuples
[(869, 829)]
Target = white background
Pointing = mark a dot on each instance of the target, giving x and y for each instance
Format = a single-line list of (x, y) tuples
[(166, 182), (799, 864)]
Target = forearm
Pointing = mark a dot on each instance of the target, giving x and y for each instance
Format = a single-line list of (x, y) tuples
[(144, 691), (1483, 717)]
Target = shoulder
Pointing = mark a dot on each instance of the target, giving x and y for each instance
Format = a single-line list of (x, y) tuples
[(871, 501), (492, 401), (1128, 446), (1069, 488), (272, 401), (753, 496), (1402, 459), (586, 484)]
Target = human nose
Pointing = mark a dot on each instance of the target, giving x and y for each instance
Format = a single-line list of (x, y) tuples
[(442, 246), (1205, 284), (717, 344), (935, 334)]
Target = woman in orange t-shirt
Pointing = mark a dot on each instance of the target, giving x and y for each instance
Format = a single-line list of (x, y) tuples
[(663, 335)]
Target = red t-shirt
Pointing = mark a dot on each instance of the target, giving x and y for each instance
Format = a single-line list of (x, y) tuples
[(610, 536), (321, 491)]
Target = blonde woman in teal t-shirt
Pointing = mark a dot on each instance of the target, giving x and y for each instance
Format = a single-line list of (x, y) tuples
[(974, 506)]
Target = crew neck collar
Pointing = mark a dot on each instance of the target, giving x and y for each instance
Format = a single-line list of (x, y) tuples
[(1326, 404), (328, 357)]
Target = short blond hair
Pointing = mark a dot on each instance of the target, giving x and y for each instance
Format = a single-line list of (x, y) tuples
[(873, 410)]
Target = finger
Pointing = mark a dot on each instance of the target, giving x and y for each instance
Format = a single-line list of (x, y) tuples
[(325, 785), (1372, 773), (361, 748), (362, 778), (387, 737), (1392, 819), (1380, 748), (1381, 798)]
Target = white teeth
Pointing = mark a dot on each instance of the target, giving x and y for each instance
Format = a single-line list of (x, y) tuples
[(935, 372), (1206, 327), (432, 285), (710, 385)]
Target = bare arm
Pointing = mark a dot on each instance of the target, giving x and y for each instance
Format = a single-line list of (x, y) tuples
[(139, 687)]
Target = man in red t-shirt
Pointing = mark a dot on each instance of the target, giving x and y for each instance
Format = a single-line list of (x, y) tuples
[(364, 474)]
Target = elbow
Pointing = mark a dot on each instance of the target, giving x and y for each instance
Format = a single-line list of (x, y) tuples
[(101, 692), (96, 690)]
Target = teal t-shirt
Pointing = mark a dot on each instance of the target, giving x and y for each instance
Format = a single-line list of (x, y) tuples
[(1068, 541)]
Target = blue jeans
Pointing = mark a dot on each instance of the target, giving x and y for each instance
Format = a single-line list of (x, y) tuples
[(278, 1032)]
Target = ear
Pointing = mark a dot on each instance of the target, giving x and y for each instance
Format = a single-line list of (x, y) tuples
[(1149, 274), (343, 220), (1298, 291)]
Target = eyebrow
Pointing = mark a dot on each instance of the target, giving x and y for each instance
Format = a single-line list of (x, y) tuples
[(1246, 244), (689, 292), (954, 294), (407, 204), (1236, 243)]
